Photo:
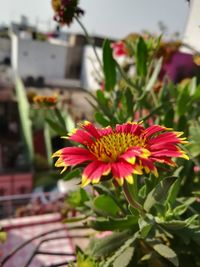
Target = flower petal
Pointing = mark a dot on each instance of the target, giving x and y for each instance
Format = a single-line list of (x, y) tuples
[(75, 155), (82, 137), (90, 128), (122, 170), (152, 130), (94, 171), (164, 138)]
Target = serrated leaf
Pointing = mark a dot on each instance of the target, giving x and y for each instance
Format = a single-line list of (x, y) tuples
[(127, 244), (173, 225), (173, 191), (145, 227), (159, 193), (109, 66), (181, 209), (167, 253), (124, 258), (111, 224), (109, 244)]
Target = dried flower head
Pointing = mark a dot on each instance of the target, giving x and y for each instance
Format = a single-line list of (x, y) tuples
[(66, 10)]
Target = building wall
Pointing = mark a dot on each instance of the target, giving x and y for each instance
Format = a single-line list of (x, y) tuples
[(5, 48), (191, 35), (37, 58), (91, 75)]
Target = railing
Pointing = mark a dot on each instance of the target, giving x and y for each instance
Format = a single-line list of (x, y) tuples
[(9, 204), (68, 234)]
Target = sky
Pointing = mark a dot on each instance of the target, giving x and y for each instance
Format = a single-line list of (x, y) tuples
[(111, 18)]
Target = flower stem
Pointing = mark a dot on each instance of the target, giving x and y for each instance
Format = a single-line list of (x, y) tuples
[(90, 40), (132, 201)]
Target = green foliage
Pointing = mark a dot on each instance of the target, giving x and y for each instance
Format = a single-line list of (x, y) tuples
[(103, 247), (159, 193), (77, 198), (155, 221), (111, 224), (105, 205), (109, 66), (26, 124), (141, 57), (167, 253)]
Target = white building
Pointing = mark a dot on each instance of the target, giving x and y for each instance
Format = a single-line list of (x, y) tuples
[(33, 58)]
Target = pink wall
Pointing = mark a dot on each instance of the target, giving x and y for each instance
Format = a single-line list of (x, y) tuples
[(14, 184)]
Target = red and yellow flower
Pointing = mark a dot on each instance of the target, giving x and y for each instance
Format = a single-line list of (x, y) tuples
[(45, 101), (127, 149)]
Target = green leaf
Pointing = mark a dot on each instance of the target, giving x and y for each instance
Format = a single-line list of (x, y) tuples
[(119, 254), (75, 219), (141, 57), (173, 191), (194, 136), (145, 227), (188, 234), (77, 198), (109, 244), (159, 193), (173, 224), (104, 190), (102, 102), (154, 75), (182, 101), (101, 98), (74, 173), (129, 102), (109, 66), (181, 209), (105, 205), (193, 86), (167, 253), (111, 224), (56, 127), (24, 112), (85, 260), (124, 258), (101, 119), (169, 118), (48, 144), (60, 118)]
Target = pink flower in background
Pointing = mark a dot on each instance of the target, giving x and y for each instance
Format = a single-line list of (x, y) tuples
[(119, 49)]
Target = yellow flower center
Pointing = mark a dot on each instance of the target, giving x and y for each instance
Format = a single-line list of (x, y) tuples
[(109, 147)]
